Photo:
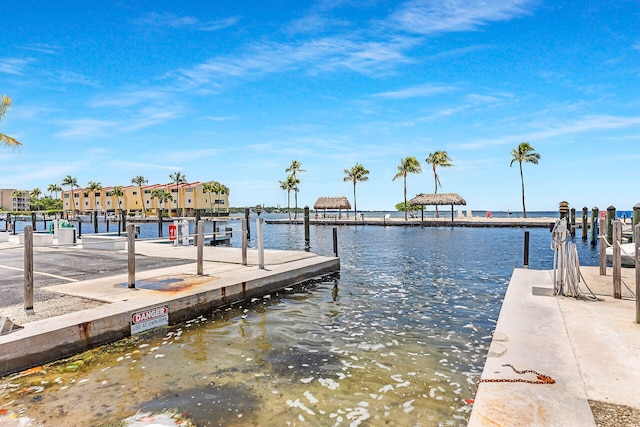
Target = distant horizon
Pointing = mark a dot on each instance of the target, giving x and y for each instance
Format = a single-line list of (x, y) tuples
[(235, 91)]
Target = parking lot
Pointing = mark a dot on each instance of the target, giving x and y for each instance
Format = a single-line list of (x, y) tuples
[(53, 266)]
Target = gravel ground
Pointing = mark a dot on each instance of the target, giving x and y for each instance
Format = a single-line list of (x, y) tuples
[(609, 415), (47, 307)]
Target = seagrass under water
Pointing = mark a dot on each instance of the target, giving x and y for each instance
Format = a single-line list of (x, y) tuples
[(399, 339)]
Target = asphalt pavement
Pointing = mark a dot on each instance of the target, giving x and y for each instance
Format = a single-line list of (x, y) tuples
[(58, 266)]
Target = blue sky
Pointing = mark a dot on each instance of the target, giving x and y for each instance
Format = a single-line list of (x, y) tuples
[(234, 91)]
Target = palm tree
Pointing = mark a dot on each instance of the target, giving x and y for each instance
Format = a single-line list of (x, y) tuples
[(407, 165), (117, 191), (524, 153), (162, 196), (139, 181), (35, 193), (178, 179), (6, 140), (54, 188), (435, 159), (295, 167), (291, 183), (355, 174), (207, 187), (71, 182), (93, 186), (219, 189)]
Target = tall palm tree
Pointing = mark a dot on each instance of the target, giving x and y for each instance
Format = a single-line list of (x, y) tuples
[(71, 182), (435, 159), (35, 193), (6, 140), (407, 165), (178, 178), (93, 186), (291, 183), (140, 181), (54, 188), (295, 167), (524, 152), (117, 191), (357, 173)]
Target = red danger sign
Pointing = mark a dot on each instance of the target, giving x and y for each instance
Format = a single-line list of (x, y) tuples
[(150, 318)]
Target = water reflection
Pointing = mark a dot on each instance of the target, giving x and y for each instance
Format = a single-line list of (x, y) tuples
[(400, 339)]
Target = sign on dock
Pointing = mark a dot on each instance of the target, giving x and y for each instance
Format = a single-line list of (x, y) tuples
[(148, 319)]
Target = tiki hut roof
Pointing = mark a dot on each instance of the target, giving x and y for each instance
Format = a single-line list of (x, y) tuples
[(437, 199), (332, 203)]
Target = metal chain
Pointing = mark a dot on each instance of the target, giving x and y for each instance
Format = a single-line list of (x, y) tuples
[(541, 378)]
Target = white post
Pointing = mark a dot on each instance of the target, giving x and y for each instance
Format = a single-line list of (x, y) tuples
[(260, 237)]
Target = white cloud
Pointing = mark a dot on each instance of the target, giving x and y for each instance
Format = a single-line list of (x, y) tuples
[(169, 20), (436, 16), (416, 91), (14, 66), (85, 128), (586, 124)]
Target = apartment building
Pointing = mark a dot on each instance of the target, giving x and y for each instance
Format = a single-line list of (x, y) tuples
[(14, 200), (185, 200)]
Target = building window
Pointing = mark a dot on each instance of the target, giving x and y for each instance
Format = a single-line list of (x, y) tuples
[(66, 196), (76, 195), (97, 194), (147, 191), (135, 193), (189, 190)]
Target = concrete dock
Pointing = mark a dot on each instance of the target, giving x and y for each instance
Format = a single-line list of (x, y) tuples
[(591, 349), (443, 221), (177, 291)]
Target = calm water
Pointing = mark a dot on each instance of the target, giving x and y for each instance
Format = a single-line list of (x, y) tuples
[(399, 339)]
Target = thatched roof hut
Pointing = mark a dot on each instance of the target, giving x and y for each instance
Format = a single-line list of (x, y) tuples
[(423, 200), (332, 203)]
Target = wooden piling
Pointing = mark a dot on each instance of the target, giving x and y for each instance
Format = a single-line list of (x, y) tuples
[(585, 225), (159, 222), (95, 222), (526, 249), (594, 225), (28, 268), (335, 242), (244, 241), (603, 247), (306, 226), (617, 263), (131, 255), (200, 235), (636, 238), (611, 216), (635, 219), (246, 217)]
